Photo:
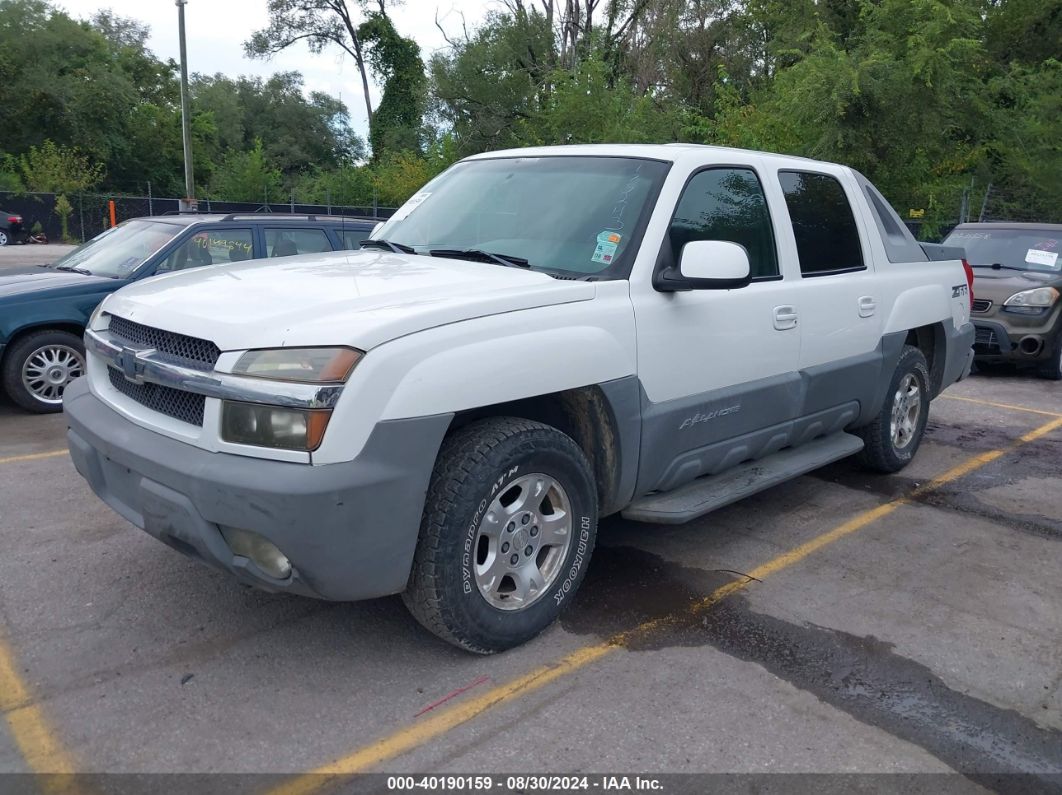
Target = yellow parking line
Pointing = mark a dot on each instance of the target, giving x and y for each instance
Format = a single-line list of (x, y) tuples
[(418, 734), (34, 738), (1009, 406), (33, 457)]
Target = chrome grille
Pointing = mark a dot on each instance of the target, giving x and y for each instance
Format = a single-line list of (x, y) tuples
[(183, 406), (981, 305), (189, 351)]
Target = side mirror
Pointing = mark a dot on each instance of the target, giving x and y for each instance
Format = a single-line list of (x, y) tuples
[(377, 228), (707, 265)]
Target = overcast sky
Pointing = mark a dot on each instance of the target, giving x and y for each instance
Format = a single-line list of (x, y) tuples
[(218, 28)]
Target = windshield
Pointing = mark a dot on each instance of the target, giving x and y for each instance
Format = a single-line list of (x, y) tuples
[(121, 250), (578, 215), (1025, 249)]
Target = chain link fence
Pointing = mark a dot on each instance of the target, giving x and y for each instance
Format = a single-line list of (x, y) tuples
[(86, 215), (89, 214), (971, 203)]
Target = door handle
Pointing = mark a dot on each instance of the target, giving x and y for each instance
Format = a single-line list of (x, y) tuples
[(785, 317), (867, 306)]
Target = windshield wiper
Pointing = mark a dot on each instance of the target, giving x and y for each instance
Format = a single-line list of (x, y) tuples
[(387, 245), (73, 268), (998, 266), (507, 260)]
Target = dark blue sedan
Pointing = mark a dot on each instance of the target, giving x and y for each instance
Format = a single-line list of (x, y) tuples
[(44, 309)]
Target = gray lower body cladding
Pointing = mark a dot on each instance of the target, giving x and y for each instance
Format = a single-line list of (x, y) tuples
[(349, 529), (960, 354), (705, 434)]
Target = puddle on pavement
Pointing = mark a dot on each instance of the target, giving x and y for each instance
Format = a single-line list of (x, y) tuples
[(862, 676), (972, 438), (1030, 462)]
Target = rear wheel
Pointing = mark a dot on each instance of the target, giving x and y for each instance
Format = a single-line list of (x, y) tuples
[(508, 527), (38, 368), (5, 238), (893, 438), (1051, 369)]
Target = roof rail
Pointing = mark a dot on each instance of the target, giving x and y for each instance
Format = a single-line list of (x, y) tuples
[(306, 216)]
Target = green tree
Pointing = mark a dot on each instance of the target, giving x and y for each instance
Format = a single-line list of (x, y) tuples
[(319, 23), (486, 86), (10, 173), (582, 107), (894, 103), (298, 133), (247, 177), (1024, 152), (1027, 32), (348, 185), (397, 124), (56, 169), (64, 210), (73, 82), (398, 176)]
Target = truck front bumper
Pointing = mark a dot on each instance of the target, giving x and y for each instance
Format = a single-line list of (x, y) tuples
[(349, 530)]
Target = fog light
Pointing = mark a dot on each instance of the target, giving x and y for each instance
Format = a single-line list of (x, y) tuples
[(258, 550)]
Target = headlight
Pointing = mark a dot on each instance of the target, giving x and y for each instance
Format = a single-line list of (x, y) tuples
[(312, 365), (1031, 302), (273, 426)]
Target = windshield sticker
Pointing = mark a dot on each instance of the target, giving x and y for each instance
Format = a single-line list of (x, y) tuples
[(604, 253), (411, 204), (609, 237), (1037, 256)]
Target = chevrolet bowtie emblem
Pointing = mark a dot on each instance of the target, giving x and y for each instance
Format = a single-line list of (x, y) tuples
[(132, 367)]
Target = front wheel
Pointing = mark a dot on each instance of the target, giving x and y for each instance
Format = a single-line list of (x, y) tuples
[(892, 439), (38, 368), (509, 524)]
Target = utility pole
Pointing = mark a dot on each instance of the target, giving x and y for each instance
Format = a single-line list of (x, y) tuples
[(188, 204)]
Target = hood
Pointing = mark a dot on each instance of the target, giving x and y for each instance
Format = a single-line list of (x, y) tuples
[(358, 298), (31, 279), (999, 285)]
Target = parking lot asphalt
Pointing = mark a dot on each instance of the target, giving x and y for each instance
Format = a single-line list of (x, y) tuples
[(844, 622), (19, 256)]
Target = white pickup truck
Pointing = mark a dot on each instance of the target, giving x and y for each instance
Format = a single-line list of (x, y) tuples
[(537, 339)]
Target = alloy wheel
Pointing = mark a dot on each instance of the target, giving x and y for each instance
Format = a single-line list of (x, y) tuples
[(522, 542), (906, 412), (49, 369)]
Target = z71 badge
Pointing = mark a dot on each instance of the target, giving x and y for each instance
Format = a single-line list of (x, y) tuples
[(959, 290)]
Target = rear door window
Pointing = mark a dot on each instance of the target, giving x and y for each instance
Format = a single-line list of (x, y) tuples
[(827, 237), (210, 247), (287, 242)]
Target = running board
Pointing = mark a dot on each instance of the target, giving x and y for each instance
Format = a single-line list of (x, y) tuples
[(709, 492)]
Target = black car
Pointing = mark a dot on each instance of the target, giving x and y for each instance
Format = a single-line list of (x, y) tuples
[(44, 309), (10, 228)]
